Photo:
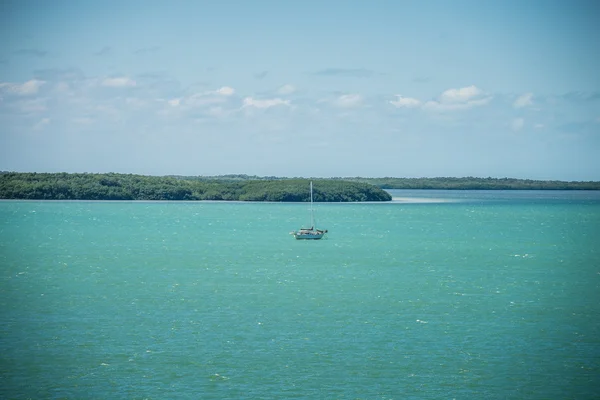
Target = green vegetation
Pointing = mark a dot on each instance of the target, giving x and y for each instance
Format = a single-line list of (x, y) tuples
[(471, 183), (63, 186), (466, 183)]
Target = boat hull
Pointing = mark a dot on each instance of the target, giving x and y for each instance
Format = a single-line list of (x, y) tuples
[(309, 235)]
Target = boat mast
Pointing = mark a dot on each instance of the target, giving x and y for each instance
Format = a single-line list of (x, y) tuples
[(312, 220)]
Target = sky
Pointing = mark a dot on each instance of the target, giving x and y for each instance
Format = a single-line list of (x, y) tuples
[(382, 88)]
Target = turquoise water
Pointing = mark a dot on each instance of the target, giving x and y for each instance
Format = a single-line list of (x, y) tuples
[(466, 295)]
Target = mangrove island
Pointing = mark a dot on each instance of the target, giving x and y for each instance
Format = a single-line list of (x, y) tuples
[(114, 186)]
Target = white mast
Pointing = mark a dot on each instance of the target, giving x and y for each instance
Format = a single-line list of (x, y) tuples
[(312, 221)]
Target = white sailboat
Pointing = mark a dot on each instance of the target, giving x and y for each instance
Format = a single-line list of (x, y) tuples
[(310, 233)]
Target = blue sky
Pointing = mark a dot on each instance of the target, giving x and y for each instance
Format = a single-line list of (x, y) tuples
[(302, 88)]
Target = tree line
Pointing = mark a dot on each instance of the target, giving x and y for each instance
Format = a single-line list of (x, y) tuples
[(472, 183), (111, 186), (463, 183)]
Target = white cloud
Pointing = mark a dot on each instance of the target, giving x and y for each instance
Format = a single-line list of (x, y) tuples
[(441, 106), (225, 91), (461, 95), (451, 99), (524, 100), (286, 89), (250, 102), (41, 123), (202, 99), (30, 87), (517, 124), (538, 126), (407, 102), (459, 99), (174, 102), (118, 82), (348, 101)]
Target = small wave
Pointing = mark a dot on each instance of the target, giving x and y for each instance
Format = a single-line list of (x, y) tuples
[(217, 377)]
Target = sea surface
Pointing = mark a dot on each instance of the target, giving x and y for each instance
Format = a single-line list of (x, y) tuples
[(435, 295)]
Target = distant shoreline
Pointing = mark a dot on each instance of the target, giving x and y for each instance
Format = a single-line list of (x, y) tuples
[(112, 186), (128, 187), (438, 183)]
